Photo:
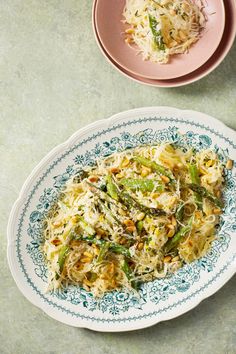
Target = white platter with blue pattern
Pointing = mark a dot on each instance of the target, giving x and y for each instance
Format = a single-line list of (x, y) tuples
[(159, 300)]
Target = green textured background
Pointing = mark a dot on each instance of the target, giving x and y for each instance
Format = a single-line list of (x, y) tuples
[(54, 80)]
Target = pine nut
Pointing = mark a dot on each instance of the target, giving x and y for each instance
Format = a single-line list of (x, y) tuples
[(175, 259), (165, 179), (140, 246), (93, 179), (167, 259), (217, 211), (229, 164)]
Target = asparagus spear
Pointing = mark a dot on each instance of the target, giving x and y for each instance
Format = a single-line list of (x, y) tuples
[(107, 211), (157, 35), (103, 250), (173, 242), (112, 190), (130, 202), (204, 193), (113, 247), (61, 258), (128, 272), (154, 166), (145, 185), (139, 226), (196, 180)]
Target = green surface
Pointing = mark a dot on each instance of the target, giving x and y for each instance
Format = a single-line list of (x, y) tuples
[(54, 80)]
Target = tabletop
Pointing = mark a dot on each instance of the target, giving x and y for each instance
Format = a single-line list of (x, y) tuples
[(54, 80)]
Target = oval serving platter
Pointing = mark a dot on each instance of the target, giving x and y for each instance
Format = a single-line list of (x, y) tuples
[(159, 300)]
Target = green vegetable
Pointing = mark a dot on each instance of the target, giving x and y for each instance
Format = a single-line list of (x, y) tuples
[(103, 250), (173, 242), (107, 211), (139, 226), (204, 193), (62, 257), (128, 272), (144, 185), (154, 166), (120, 250), (130, 202), (86, 227), (113, 247), (112, 190), (193, 170), (180, 212), (157, 35), (126, 269)]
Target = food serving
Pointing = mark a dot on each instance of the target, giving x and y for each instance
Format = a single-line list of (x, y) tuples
[(162, 28), (134, 216)]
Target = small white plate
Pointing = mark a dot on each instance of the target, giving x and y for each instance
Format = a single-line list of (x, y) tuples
[(159, 300)]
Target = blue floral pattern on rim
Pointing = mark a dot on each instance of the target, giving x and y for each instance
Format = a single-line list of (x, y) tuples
[(120, 301)]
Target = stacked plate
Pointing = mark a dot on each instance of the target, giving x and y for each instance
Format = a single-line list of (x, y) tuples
[(203, 57)]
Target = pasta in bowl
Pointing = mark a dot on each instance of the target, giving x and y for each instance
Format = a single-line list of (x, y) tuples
[(135, 216)]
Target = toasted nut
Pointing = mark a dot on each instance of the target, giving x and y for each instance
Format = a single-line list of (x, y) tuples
[(140, 216), (229, 164), (57, 224), (55, 242), (170, 226), (145, 171), (129, 31), (88, 254), (100, 232), (125, 162), (128, 40), (93, 179), (217, 211), (179, 165), (165, 179), (173, 220), (104, 277), (171, 233), (98, 237), (129, 222), (85, 259), (140, 246), (119, 175), (131, 228), (209, 163), (114, 170), (75, 219), (167, 259), (122, 212), (122, 241), (175, 259)]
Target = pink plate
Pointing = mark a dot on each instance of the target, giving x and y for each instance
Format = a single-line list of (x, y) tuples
[(208, 67), (108, 16)]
